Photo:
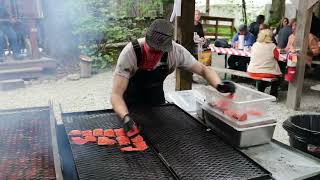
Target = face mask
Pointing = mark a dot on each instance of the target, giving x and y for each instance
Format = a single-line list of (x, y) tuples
[(150, 58)]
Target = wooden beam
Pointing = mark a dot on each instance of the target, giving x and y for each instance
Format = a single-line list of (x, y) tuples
[(304, 17), (312, 3), (184, 35)]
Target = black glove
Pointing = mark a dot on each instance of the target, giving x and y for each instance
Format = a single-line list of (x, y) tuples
[(226, 87), (128, 123)]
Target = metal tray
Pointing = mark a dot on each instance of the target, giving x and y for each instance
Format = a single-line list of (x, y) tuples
[(239, 125)]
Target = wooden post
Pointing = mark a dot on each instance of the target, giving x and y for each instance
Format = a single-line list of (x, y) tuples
[(184, 35), (207, 7), (304, 17)]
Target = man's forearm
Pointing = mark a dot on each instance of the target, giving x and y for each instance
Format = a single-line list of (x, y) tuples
[(211, 76), (119, 106)]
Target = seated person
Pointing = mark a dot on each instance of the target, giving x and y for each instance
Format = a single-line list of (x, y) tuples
[(313, 47), (7, 30), (21, 31), (283, 34), (254, 27), (239, 62), (199, 34), (263, 63)]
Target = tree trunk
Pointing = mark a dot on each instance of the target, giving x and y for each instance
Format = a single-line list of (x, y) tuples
[(276, 12), (207, 7)]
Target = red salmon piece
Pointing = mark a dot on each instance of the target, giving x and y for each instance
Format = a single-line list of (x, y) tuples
[(129, 149), (78, 140), (120, 132), (106, 141), (109, 133), (75, 133), (236, 115), (90, 138), (255, 113), (141, 145), (137, 139), (86, 133), (133, 132), (97, 132), (123, 140)]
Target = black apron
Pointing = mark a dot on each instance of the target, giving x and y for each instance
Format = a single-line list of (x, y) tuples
[(145, 88)]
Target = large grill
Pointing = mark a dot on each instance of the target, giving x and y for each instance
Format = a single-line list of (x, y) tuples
[(107, 162), (187, 149), (26, 144)]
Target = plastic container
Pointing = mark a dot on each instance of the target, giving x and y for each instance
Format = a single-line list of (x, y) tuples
[(186, 100), (304, 133), (245, 100)]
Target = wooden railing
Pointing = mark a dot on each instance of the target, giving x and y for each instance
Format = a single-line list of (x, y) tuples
[(211, 22)]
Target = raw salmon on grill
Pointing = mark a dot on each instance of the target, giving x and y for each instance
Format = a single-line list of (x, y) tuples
[(86, 133), (98, 132), (137, 139), (74, 133), (90, 138), (141, 145), (120, 132), (106, 141), (133, 132), (78, 140), (129, 149), (123, 140), (109, 133)]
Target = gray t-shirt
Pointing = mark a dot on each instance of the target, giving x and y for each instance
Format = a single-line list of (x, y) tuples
[(283, 36), (178, 57)]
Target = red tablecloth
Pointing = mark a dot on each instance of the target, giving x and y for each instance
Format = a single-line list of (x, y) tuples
[(238, 52)]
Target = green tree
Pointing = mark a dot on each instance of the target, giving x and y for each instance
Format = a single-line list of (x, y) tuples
[(277, 12)]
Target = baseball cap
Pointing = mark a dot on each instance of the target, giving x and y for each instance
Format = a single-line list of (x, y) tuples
[(243, 27), (159, 35)]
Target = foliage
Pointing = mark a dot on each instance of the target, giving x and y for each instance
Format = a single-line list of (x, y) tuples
[(99, 22)]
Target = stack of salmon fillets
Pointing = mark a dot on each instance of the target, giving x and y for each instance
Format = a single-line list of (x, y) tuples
[(130, 141)]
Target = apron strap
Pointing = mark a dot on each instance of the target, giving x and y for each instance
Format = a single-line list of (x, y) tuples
[(137, 49)]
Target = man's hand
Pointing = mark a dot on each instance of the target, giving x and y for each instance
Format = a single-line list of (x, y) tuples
[(128, 123), (226, 87)]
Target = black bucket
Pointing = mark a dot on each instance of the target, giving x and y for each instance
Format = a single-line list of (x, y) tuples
[(304, 133)]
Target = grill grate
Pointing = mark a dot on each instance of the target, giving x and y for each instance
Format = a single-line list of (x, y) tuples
[(25, 145), (185, 145), (191, 151), (107, 162)]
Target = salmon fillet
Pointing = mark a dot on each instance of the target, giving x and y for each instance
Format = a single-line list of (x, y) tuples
[(98, 132), (255, 113), (78, 140), (133, 132), (123, 140), (106, 141), (86, 133), (129, 149), (137, 139), (141, 145), (75, 133), (236, 115), (109, 133), (90, 138), (120, 132)]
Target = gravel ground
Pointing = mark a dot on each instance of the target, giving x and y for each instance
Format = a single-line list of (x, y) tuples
[(94, 93)]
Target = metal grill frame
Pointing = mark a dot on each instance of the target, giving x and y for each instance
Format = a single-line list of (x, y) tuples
[(155, 149), (52, 121)]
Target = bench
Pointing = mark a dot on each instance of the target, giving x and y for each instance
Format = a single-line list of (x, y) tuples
[(240, 73)]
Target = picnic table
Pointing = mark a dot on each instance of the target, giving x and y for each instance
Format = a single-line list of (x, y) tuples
[(238, 52)]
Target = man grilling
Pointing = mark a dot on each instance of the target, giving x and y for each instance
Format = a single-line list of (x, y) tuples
[(145, 63)]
